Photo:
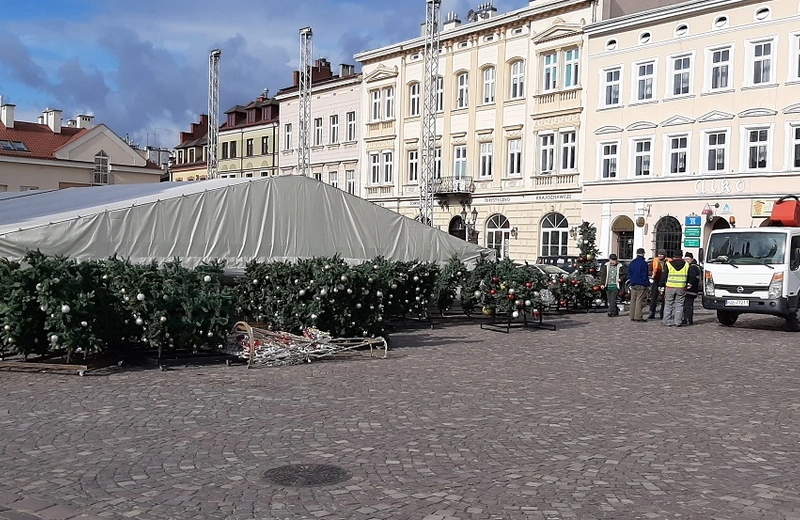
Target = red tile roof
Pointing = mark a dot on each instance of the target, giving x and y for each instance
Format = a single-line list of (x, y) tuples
[(39, 139)]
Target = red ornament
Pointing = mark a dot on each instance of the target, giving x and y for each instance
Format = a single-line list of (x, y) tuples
[(495, 279), (581, 259), (492, 292), (550, 282), (563, 303), (591, 270), (562, 280), (536, 312), (511, 297), (574, 282), (596, 288), (528, 285)]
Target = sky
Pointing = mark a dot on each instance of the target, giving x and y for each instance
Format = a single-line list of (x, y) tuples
[(141, 67)]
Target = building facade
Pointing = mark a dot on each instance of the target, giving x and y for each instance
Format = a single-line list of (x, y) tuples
[(692, 117), (189, 157), (47, 155), (335, 128), (247, 146)]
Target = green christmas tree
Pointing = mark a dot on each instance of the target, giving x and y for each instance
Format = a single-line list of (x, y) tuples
[(581, 288)]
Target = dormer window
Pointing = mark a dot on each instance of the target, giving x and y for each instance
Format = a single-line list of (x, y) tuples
[(265, 114), (231, 119), (251, 116), (100, 168)]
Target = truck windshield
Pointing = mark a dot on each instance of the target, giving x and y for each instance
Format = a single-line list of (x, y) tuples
[(747, 248)]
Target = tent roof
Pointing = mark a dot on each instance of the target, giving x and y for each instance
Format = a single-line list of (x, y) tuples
[(236, 220)]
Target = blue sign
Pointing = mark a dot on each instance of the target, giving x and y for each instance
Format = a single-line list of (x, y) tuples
[(694, 220)]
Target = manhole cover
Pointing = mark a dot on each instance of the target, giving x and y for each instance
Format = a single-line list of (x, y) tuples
[(307, 475)]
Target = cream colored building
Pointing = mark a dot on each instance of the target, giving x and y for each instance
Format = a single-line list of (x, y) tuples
[(693, 116), (335, 128), (247, 146), (510, 100), (190, 156)]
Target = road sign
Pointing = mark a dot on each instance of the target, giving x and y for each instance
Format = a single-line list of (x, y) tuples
[(692, 232), (693, 220), (691, 242)]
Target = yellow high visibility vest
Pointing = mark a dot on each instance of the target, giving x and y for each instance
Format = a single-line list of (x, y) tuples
[(677, 279)]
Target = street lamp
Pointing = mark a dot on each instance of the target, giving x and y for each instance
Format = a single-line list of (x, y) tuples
[(469, 221)]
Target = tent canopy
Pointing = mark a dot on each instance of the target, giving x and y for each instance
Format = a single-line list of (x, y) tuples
[(235, 220)]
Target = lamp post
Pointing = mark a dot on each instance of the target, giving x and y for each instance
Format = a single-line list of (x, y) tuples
[(469, 221)]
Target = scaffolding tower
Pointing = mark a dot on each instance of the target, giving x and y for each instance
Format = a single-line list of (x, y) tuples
[(212, 161), (429, 110), (304, 150)]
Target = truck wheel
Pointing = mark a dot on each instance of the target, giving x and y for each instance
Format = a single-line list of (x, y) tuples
[(792, 322), (727, 318)]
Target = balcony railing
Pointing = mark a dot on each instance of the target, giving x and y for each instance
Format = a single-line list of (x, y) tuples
[(453, 185), (566, 99), (557, 180), (372, 191)]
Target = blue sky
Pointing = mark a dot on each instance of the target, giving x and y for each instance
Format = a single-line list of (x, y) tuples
[(141, 67)]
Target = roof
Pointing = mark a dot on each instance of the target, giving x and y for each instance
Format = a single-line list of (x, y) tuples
[(40, 140), (321, 83), (196, 142)]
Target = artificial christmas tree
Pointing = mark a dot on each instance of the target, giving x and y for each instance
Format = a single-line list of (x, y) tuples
[(580, 288)]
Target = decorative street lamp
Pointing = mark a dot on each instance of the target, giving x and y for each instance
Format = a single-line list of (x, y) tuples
[(470, 219)]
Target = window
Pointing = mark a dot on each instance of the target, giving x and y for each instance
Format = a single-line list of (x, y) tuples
[(568, 151), (333, 131), (413, 166), (642, 157), (350, 176), (550, 71), (487, 158), (351, 126), (547, 149), (317, 176), (720, 68), (611, 88), (437, 163), (644, 83), (498, 234), (13, 146), (681, 75), (376, 105), (439, 94), (265, 145), (375, 168), (645, 37), (233, 150), (413, 97), (460, 162), (794, 68), (489, 76), (517, 80), (514, 157), (762, 62), (716, 146), (611, 45), (225, 153), (720, 22), (100, 168), (682, 30), (609, 157), (28, 188), (463, 90), (757, 148), (388, 167), (6, 145), (555, 235), (333, 179), (231, 119), (678, 151), (180, 156), (571, 67), (763, 14), (248, 144), (287, 136), (388, 99), (669, 235), (317, 131), (795, 147), (265, 117), (251, 116)]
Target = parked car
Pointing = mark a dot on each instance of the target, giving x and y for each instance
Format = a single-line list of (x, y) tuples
[(552, 271), (567, 263)]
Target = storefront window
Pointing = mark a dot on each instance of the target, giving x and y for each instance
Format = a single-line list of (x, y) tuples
[(555, 235), (498, 233)]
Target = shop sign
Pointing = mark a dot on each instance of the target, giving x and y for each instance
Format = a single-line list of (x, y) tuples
[(693, 220), (497, 199), (562, 196), (691, 242), (692, 232), (719, 186), (761, 207)]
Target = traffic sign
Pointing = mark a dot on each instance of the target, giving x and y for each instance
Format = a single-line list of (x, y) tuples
[(693, 220), (691, 242), (693, 232)]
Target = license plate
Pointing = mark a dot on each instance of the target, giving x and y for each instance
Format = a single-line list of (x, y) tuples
[(737, 303)]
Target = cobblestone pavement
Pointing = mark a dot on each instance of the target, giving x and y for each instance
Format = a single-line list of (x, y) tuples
[(603, 418)]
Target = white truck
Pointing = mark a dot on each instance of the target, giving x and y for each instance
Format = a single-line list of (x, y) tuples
[(753, 270)]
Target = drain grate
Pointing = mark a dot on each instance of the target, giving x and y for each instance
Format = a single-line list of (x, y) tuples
[(307, 475)]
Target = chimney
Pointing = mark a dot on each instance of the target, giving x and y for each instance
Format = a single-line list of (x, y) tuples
[(346, 70), (52, 117), (7, 115), (71, 123), (41, 120), (452, 21), (85, 121)]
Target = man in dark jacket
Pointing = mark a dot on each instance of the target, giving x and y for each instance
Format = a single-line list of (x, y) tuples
[(656, 273), (692, 288), (612, 278), (638, 276)]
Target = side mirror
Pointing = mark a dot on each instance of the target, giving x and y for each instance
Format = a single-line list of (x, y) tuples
[(701, 255)]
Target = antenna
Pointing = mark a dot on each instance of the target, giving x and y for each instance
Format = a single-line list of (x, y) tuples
[(212, 164), (304, 151), (429, 109)]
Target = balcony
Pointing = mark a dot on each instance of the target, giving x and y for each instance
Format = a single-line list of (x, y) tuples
[(453, 186), (379, 191), (381, 128), (557, 101), (554, 181)]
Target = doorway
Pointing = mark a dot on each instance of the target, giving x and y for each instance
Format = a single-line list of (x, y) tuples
[(622, 230)]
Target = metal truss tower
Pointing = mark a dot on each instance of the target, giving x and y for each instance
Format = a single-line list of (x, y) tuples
[(212, 161), (304, 150), (429, 110)]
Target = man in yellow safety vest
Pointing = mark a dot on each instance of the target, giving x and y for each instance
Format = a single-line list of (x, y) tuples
[(675, 275)]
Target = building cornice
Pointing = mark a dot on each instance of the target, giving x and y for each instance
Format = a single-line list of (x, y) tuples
[(292, 92), (65, 163)]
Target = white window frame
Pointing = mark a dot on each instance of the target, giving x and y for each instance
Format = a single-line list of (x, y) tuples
[(102, 168), (413, 166), (333, 131), (568, 149), (517, 75), (437, 163), (602, 156), (707, 148), (351, 127), (333, 179), (572, 66), (514, 157), (688, 73), (375, 112), (459, 162), (462, 89), (350, 181), (769, 148), (287, 136), (549, 71), (439, 94), (317, 131), (489, 75), (487, 160), (668, 154), (375, 168), (547, 152), (750, 67), (606, 84), (388, 100), (636, 155), (794, 57), (387, 165), (708, 84), (792, 142), (637, 78), (413, 99)]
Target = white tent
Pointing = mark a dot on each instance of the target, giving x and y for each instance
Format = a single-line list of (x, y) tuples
[(236, 220)]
